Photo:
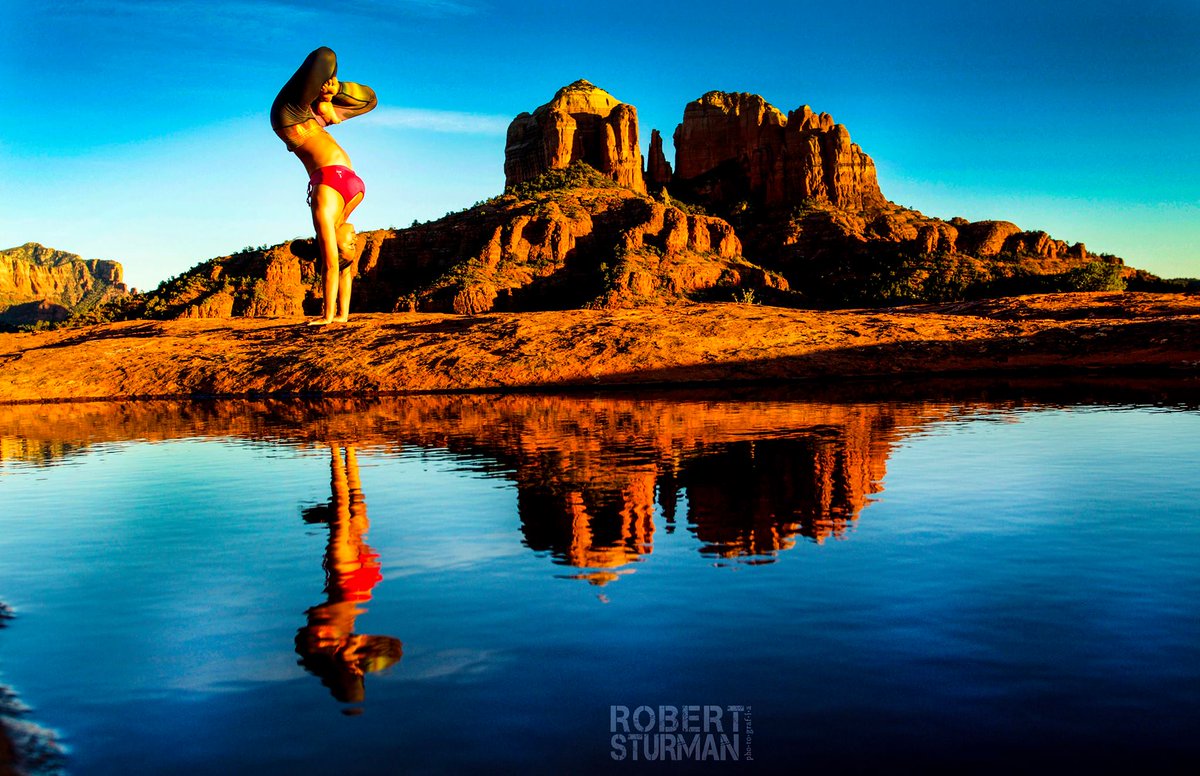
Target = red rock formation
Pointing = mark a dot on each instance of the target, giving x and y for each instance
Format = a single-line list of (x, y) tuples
[(260, 283), (991, 238), (285, 287), (658, 169), (903, 225), (850, 174), (1037, 243), (821, 218), (598, 244), (27, 313), (39, 283), (822, 224), (737, 146), (582, 123), (985, 238), (514, 254), (215, 305)]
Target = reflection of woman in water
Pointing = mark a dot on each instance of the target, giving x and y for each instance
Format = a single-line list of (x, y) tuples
[(311, 100), (328, 645)]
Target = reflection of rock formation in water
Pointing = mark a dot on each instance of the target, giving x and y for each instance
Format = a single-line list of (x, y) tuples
[(588, 470), (590, 527), (808, 473), (753, 498), (328, 645), (37, 451)]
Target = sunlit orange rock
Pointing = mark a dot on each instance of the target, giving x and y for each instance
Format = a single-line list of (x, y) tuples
[(735, 146), (259, 282), (991, 238), (583, 123), (43, 284)]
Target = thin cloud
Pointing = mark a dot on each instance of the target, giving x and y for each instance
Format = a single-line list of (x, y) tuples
[(266, 12), (455, 122), (384, 8)]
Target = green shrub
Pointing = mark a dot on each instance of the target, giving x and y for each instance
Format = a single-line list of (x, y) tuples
[(1093, 276), (689, 208), (578, 175)]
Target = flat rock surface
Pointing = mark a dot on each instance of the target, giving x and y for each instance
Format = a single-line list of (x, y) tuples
[(405, 352)]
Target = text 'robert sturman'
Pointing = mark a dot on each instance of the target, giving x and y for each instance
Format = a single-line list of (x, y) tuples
[(681, 732)]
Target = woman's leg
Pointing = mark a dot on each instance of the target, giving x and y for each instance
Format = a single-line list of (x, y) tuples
[(347, 254), (327, 207), (336, 245)]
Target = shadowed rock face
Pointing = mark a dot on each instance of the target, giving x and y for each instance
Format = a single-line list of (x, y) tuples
[(583, 123), (658, 169), (735, 147), (43, 284)]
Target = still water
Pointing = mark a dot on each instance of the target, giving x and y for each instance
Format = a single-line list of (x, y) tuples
[(484, 584)]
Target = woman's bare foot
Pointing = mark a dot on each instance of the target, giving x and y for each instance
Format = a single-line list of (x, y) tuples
[(342, 319), (319, 322)]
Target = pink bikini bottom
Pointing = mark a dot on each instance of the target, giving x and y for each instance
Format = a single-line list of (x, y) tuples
[(340, 179)]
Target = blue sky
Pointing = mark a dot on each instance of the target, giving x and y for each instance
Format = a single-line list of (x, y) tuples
[(137, 130)]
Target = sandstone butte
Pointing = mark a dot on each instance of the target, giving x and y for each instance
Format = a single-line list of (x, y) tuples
[(583, 123), (737, 146), (607, 274)]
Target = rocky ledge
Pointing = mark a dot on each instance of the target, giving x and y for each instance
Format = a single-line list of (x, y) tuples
[(690, 343)]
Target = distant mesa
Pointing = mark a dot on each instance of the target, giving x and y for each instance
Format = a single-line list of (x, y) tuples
[(583, 123), (40, 284)]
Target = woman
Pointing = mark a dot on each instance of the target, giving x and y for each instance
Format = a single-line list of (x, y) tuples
[(311, 100)]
